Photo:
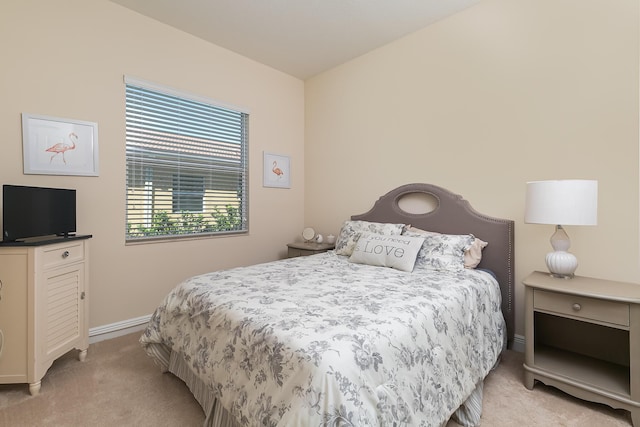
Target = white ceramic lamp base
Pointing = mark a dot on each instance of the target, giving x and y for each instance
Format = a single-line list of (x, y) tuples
[(561, 264)]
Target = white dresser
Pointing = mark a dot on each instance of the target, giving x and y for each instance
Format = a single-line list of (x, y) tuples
[(43, 307)]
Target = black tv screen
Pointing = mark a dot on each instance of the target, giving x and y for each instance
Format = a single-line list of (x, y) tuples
[(37, 211)]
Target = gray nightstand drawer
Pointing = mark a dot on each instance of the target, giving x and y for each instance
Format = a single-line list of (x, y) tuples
[(616, 313)]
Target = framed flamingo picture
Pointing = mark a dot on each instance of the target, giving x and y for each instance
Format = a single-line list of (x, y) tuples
[(55, 146), (277, 171)]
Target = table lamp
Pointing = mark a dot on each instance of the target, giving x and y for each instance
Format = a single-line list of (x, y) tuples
[(562, 202)]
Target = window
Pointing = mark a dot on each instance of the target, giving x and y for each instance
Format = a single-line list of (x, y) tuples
[(186, 165)]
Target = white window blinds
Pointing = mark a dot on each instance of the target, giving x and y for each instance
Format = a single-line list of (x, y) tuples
[(187, 165)]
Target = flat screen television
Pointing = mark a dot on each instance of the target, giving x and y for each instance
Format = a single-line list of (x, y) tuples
[(37, 211)]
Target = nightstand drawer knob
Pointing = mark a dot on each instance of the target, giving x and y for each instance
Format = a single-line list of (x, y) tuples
[(576, 307)]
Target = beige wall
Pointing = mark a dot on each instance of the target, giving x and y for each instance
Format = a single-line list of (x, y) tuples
[(480, 103), (67, 59)]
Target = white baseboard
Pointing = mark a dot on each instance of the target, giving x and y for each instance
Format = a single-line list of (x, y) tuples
[(518, 343), (113, 330)]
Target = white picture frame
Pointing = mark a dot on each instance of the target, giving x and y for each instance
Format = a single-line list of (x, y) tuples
[(57, 146), (277, 171)]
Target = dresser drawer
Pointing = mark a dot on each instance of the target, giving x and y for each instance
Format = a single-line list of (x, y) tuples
[(62, 254), (616, 313)]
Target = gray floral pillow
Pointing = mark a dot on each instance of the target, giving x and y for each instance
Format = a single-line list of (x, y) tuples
[(350, 231), (442, 251)]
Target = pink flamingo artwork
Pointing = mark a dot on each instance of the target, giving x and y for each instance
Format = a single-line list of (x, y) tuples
[(275, 169), (61, 147)]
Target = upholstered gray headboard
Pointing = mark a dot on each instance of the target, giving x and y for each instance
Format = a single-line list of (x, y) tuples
[(454, 215)]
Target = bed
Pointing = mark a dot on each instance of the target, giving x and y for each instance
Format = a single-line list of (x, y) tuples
[(357, 336)]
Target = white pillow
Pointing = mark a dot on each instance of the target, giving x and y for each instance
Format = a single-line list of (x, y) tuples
[(350, 230), (399, 252)]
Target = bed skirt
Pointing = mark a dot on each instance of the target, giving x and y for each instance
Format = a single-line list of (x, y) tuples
[(216, 415), (468, 415)]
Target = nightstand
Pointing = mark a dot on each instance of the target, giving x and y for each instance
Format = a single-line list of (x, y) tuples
[(308, 248), (583, 337)]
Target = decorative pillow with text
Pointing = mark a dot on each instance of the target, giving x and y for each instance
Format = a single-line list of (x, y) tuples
[(397, 251), (350, 230)]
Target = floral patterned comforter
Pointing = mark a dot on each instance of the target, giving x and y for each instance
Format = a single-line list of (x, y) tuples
[(320, 341)]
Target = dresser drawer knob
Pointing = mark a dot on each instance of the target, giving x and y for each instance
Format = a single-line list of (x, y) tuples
[(65, 254), (576, 307)]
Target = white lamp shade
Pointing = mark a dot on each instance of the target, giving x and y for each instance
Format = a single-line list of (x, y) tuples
[(562, 202)]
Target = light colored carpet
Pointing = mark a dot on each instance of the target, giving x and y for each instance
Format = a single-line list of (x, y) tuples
[(118, 385)]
